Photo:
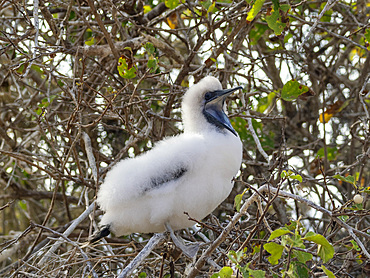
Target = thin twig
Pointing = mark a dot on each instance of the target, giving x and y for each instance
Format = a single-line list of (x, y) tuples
[(268, 189), (63, 236), (67, 232), (328, 5), (255, 137), (152, 243)]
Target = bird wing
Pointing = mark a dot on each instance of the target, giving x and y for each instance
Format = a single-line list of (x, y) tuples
[(169, 161), (169, 175)]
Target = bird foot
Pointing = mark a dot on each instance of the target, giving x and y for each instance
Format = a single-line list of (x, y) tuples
[(190, 250)]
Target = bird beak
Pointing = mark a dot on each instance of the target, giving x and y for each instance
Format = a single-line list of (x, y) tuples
[(214, 110)]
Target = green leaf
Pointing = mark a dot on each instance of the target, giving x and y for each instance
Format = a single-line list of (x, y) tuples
[(265, 102), (90, 42), (171, 4), (257, 273), (257, 32), (225, 272), (22, 68), (38, 111), (279, 232), (236, 257), (327, 15), (327, 272), (276, 250), (349, 179), (332, 153), (149, 47), (44, 103), (212, 8), (310, 233), (72, 15), (240, 126), (296, 177), (256, 249), (238, 200), (22, 205), (292, 90), (247, 272), (274, 23), (356, 207), (344, 218), (287, 37), (209, 5), (297, 269), (325, 249), (275, 20), (292, 225), (244, 271), (142, 275), (302, 256), (152, 64), (276, 4), (283, 174), (37, 68), (123, 69), (131, 73), (267, 140), (355, 245), (147, 9), (257, 6), (367, 37), (295, 241)]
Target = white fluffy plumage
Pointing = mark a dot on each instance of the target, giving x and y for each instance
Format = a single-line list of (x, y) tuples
[(191, 172)]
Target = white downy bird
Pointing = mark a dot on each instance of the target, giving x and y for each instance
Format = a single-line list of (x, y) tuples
[(191, 172)]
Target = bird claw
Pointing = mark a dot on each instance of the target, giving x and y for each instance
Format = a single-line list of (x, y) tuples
[(190, 250)]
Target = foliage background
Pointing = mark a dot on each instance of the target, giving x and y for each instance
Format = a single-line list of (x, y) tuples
[(68, 114)]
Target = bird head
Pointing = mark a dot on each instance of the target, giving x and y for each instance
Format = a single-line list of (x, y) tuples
[(203, 107)]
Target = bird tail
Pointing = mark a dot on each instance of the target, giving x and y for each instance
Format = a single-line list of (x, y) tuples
[(103, 232)]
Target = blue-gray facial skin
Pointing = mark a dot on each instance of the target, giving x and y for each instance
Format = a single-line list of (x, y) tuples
[(214, 111)]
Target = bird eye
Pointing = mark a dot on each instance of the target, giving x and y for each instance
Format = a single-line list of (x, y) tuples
[(208, 96)]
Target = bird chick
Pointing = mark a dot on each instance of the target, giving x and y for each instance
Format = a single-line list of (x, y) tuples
[(191, 172)]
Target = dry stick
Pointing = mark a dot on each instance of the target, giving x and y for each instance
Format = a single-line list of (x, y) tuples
[(255, 137), (6, 205), (166, 48), (221, 238), (328, 5), (259, 203), (67, 232), (103, 29), (361, 95), (52, 200), (90, 155), (36, 41), (30, 250), (70, 241), (153, 242), (4, 251), (92, 163), (109, 104), (350, 230)]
